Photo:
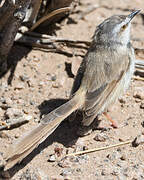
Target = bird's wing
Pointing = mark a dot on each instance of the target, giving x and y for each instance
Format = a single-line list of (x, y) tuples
[(102, 76)]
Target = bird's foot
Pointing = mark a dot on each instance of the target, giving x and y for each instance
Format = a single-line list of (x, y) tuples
[(113, 123)]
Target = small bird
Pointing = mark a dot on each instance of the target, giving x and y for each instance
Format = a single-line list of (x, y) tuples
[(103, 76)]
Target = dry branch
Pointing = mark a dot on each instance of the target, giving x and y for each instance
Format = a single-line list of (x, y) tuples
[(48, 16), (10, 21), (99, 149)]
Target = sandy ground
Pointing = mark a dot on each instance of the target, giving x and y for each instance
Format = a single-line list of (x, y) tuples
[(40, 83)]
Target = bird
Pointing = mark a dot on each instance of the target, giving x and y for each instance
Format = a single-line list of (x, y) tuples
[(103, 76)]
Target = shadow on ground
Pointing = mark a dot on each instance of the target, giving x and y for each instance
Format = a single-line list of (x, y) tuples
[(65, 134)]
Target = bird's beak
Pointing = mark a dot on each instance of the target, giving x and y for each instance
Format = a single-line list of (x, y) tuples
[(133, 14)]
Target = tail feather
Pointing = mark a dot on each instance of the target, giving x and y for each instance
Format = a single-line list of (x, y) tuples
[(32, 139)]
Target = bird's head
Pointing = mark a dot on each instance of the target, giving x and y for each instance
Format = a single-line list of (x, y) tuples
[(115, 29)]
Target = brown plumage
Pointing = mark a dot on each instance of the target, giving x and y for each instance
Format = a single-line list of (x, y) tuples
[(103, 76)]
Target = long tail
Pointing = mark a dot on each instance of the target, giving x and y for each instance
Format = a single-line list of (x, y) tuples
[(25, 145)]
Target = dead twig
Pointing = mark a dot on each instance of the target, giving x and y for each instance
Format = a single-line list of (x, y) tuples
[(55, 39), (99, 149), (15, 123), (137, 50), (138, 78), (48, 16), (55, 44)]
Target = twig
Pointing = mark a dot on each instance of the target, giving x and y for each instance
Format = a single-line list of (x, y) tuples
[(56, 39), (53, 43), (137, 50), (15, 123), (140, 63), (99, 149), (48, 16), (138, 78)]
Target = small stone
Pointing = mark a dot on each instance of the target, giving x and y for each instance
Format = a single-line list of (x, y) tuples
[(28, 117), (41, 83), (104, 172), (64, 163), (142, 105), (116, 172), (78, 170), (66, 172), (52, 158), (24, 77), (32, 102), (53, 78), (123, 157), (17, 135), (9, 102), (2, 162), (55, 85), (113, 156), (138, 140), (30, 83), (101, 137), (121, 177), (3, 135), (2, 100), (122, 100), (13, 112), (36, 59), (142, 123), (30, 174), (137, 100), (139, 94)]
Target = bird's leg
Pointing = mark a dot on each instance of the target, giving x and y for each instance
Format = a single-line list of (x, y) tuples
[(110, 119)]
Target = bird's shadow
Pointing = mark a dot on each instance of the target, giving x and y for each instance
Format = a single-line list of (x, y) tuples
[(65, 134)]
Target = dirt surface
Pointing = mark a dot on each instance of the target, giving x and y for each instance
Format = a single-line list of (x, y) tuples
[(39, 83)]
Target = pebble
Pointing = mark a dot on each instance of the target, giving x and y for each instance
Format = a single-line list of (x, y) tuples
[(2, 100), (123, 157), (66, 172), (142, 105), (139, 94), (13, 112), (122, 100), (138, 140), (104, 172), (121, 177), (2, 162), (9, 102), (53, 78), (31, 174), (52, 158), (24, 77), (32, 102), (114, 156), (142, 123), (3, 135), (101, 137), (28, 117), (55, 85), (64, 163)]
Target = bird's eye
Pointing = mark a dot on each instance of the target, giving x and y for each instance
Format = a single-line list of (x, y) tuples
[(123, 27)]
